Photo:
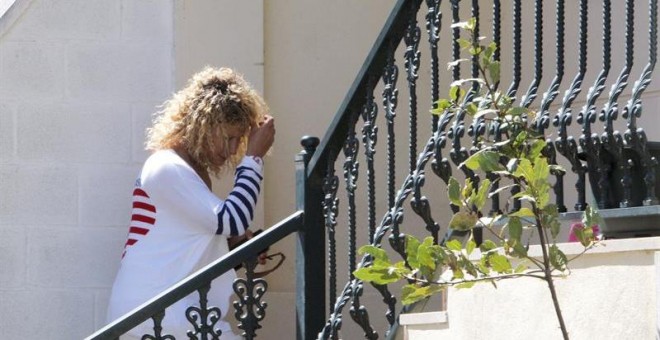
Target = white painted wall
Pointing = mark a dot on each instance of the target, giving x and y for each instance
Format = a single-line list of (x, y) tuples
[(79, 80)]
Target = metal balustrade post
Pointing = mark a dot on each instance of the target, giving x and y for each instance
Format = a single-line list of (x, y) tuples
[(310, 247)]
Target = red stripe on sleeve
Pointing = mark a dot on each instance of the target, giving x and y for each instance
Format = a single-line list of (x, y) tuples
[(145, 206), (142, 218), (138, 230), (140, 192), (131, 241)]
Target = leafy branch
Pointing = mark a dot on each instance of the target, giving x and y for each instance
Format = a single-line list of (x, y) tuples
[(519, 161)]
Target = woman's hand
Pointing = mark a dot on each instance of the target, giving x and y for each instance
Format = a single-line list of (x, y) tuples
[(235, 240), (261, 137)]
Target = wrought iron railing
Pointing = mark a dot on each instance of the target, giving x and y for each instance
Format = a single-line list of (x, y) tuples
[(617, 169), (250, 309)]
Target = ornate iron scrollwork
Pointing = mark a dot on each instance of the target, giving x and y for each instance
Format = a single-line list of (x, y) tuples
[(611, 140), (390, 100), (158, 329), (595, 155), (566, 145), (433, 19), (330, 208), (369, 139), (634, 136), (250, 310), (334, 323), (203, 318), (412, 54), (351, 167)]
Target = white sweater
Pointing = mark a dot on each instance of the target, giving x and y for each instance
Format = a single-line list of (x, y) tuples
[(177, 227)]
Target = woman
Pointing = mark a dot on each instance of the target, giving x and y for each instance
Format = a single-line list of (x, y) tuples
[(178, 225)]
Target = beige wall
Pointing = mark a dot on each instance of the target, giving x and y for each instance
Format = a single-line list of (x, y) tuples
[(611, 293), (220, 34)]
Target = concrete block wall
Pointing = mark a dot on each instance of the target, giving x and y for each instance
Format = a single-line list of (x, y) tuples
[(79, 81)]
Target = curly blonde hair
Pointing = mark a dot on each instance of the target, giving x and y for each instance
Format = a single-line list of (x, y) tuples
[(214, 97)]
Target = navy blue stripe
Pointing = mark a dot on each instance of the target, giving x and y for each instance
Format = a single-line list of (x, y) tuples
[(240, 169), (220, 226), (233, 229), (240, 214), (251, 180), (249, 190), (245, 202)]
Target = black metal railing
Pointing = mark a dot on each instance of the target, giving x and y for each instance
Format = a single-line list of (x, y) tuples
[(249, 307), (618, 169)]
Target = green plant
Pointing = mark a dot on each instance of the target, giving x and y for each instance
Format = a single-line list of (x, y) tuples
[(519, 161)]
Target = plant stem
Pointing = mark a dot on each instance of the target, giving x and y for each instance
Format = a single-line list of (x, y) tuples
[(548, 274)]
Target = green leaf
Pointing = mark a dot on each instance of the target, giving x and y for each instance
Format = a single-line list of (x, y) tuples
[(479, 199), (515, 228), (487, 246), (588, 234), (551, 210), (467, 189), (555, 227), (544, 193), (454, 245), (481, 266), (520, 138), (454, 192), (464, 43), (523, 212), (412, 244), (378, 275), (518, 249), (440, 106), (541, 170), (377, 253), (471, 109), (469, 248), (412, 293), (471, 24), (525, 170), (490, 50), (591, 217), (579, 233), (463, 221), (537, 146), (494, 70), (458, 273), (500, 263), (557, 258), (468, 266), (425, 254), (518, 111), (520, 268), (475, 50), (485, 160), (456, 93)]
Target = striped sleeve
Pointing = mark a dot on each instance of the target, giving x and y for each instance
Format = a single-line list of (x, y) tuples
[(237, 211)]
